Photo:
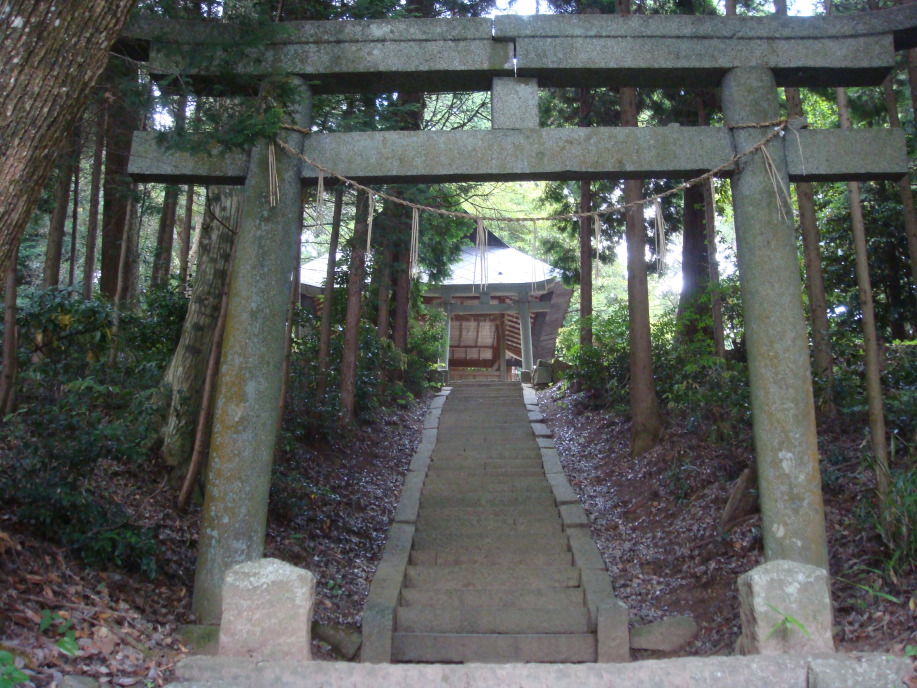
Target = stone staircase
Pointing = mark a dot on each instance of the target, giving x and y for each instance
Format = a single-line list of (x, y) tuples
[(494, 571)]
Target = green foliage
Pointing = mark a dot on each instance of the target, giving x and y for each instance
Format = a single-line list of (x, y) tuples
[(10, 675), (786, 624), (62, 629), (77, 408)]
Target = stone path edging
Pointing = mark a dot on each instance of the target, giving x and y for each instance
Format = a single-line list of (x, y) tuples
[(758, 671), (379, 612)]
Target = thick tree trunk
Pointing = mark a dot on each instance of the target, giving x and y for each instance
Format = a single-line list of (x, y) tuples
[(694, 272), (295, 284), (385, 290), (122, 121), (874, 397), (647, 423), (402, 300), (815, 285), (71, 278), (904, 184), (92, 222), (324, 335), (352, 319), (57, 227), (585, 239), (10, 340), (162, 258), (52, 53), (585, 264), (184, 237), (184, 377)]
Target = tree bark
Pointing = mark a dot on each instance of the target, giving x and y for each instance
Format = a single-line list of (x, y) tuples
[(92, 222), (904, 184), (716, 300), (815, 284), (121, 122), (385, 290), (324, 336), (162, 258), (184, 237), (52, 53), (57, 227), (184, 376), (71, 278), (10, 339), (870, 344), (402, 300), (295, 284), (352, 319), (694, 272), (585, 239)]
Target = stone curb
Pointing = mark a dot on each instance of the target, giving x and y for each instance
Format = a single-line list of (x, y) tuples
[(379, 612), (756, 671)]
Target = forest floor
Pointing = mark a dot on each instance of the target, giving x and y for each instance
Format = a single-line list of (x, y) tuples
[(654, 519)]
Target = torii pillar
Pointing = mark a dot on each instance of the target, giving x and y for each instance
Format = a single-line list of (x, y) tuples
[(782, 403), (248, 383)]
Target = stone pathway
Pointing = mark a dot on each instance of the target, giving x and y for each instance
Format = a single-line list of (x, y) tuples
[(492, 551)]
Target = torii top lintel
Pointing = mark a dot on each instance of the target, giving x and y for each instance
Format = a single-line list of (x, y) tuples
[(590, 51)]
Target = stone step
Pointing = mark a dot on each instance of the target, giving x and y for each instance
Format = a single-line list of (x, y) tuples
[(479, 620), (497, 467), (495, 539), (556, 598), (482, 525), (462, 512), (544, 499), (483, 484), (483, 556), (491, 577), (504, 648), (446, 473)]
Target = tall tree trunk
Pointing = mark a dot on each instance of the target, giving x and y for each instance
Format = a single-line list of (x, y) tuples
[(870, 344), (76, 206), (162, 258), (184, 376), (904, 184), (646, 421), (69, 159), (352, 318), (95, 183), (402, 300), (52, 54), (815, 285), (121, 122), (10, 340), (385, 289), (694, 268), (324, 335), (184, 238), (295, 285), (585, 239), (716, 300)]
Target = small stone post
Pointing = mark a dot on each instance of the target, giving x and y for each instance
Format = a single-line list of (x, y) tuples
[(525, 332), (248, 383), (783, 411)]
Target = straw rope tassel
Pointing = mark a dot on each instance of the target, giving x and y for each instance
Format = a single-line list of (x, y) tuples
[(597, 222), (273, 184), (320, 201), (415, 241), (369, 221), (660, 234)]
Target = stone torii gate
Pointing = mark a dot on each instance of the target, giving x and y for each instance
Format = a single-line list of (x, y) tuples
[(747, 58)]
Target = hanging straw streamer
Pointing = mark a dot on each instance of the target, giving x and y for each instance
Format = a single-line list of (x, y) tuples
[(534, 251), (480, 245), (780, 190), (320, 201), (273, 184), (369, 221), (660, 234), (597, 222), (415, 242)]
